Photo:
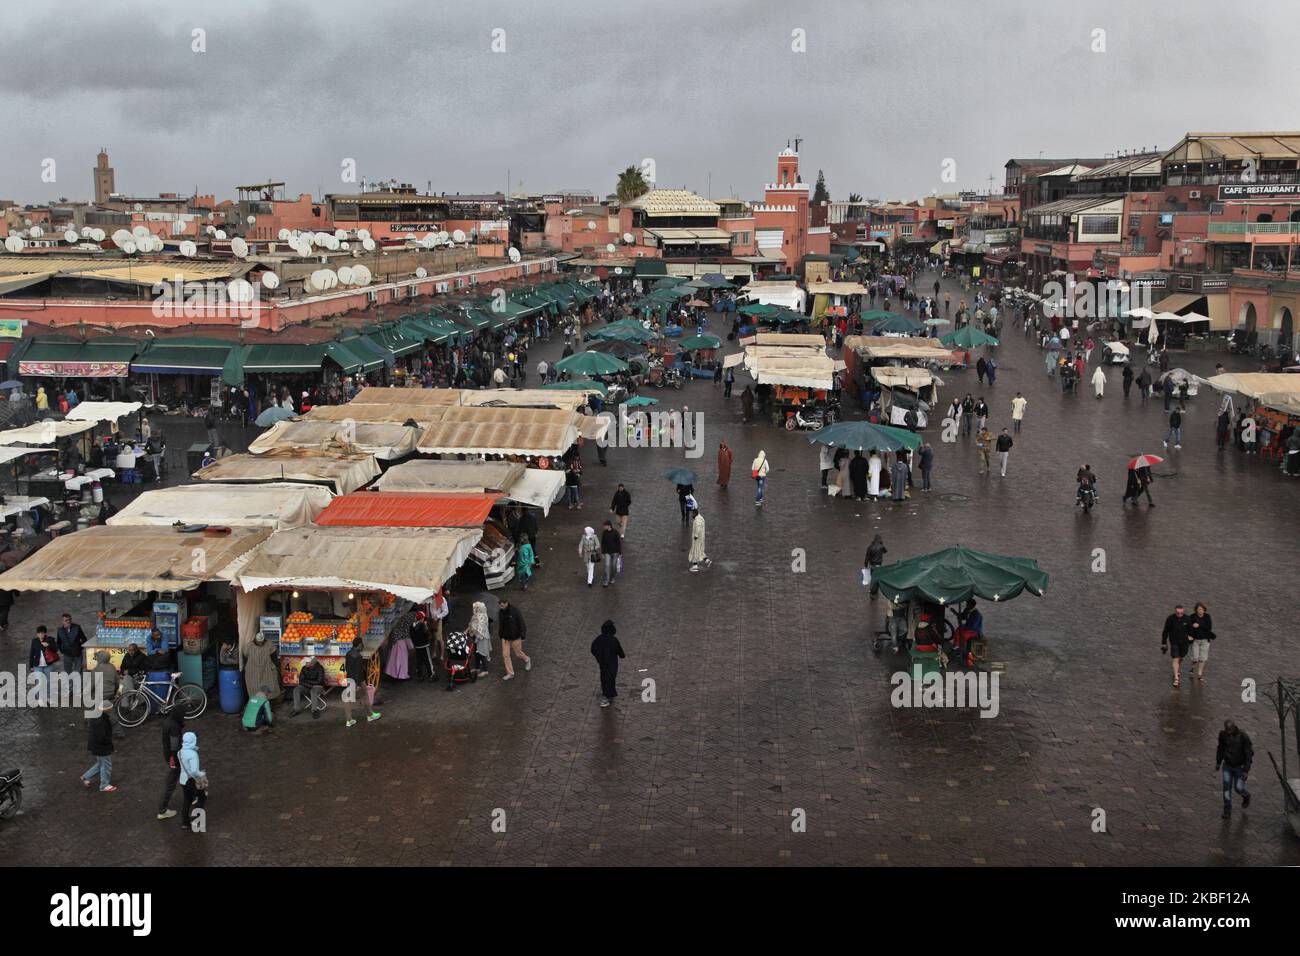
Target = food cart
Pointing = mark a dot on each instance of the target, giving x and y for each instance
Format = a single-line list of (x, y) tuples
[(906, 391)]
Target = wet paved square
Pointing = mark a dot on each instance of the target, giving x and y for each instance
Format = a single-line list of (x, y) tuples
[(768, 698)]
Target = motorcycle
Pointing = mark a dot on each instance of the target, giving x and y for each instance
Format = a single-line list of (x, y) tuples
[(671, 376), (811, 420), (11, 793), (1087, 498)]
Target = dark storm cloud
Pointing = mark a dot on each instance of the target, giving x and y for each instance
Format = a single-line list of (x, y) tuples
[(412, 90)]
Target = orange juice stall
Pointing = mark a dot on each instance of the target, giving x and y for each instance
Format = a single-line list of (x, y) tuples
[(312, 591)]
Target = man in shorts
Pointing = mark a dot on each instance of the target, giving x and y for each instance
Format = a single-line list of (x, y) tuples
[(1176, 639)]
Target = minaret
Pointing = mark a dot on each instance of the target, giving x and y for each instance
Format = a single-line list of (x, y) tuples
[(103, 174)]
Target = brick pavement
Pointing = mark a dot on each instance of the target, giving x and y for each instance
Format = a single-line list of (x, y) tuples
[(769, 697)]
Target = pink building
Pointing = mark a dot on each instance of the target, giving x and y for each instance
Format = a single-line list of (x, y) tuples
[(783, 220)]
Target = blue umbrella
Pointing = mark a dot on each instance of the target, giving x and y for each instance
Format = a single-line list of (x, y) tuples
[(274, 414), (12, 383), (680, 476)]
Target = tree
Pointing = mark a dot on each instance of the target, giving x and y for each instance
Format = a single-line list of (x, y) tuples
[(631, 183), (855, 197), (820, 192), (854, 213)]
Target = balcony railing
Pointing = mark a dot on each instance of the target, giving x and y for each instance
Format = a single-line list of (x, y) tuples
[(1255, 228), (1216, 179)]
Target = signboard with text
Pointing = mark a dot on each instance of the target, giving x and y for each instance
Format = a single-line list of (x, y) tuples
[(1257, 190)]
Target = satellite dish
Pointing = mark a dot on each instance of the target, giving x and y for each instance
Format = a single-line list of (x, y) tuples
[(221, 234), (421, 272), (138, 207), (211, 230), (629, 238), (458, 236), (140, 231), (361, 275), (121, 236), (591, 225), (442, 235), (239, 247), (98, 235), (241, 290), (86, 232), (367, 243), (363, 234), (343, 244), (320, 238), (618, 270), (283, 235), (309, 286), (514, 254), (37, 232), (332, 243), (345, 275), (270, 280), (70, 236), (188, 249), (251, 220), (129, 247), (610, 247), (340, 234), (13, 244)]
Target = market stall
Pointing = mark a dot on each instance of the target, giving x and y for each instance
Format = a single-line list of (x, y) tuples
[(386, 441), (800, 373), (524, 432), (339, 469), (148, 577), (311, 591), (275, 505), (534, 487)]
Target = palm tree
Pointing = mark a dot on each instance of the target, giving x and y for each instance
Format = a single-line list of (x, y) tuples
[(631, 183)]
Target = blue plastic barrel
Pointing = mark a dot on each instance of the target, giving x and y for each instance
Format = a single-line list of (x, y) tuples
[(232, 691), (157, 681)]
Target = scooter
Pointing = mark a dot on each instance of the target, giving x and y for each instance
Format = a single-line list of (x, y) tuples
[(801, 419), (672, 376), (1087, 498), (11, 793)]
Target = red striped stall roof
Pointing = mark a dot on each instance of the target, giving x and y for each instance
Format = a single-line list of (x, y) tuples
[(416, 509)]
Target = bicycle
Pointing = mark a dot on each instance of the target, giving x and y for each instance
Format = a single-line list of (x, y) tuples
[(133, 706)]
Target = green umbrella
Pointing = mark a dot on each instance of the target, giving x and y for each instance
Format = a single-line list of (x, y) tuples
[(859, 436), (579, 385), (591, 363), (937, 321), (894, 323), (782, 316), (957, 574), (875, 315), (620, 348), (638, 401), (624, 333), (967, 337), (701, 342), (758, 309)]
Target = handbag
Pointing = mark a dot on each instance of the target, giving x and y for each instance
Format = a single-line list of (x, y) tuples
[(201, 783), (51, 655), (618, 564)]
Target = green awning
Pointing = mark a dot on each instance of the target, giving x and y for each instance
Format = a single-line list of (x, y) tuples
[(270, 359), (372, 354), (425, 331), (164, 358), (397, 342), (651, 267), (344, 357)]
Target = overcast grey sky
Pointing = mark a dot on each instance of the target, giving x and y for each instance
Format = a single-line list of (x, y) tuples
[(411, 89)]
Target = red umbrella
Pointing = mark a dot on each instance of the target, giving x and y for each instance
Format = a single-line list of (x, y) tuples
[(1144, 461)]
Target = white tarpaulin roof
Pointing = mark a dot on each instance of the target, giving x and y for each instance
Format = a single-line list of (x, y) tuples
[(798, 367), (102, 411), (277, 506), (804, 340), (345, 471), (538, 488), (525, 397), (891, 376), (876, 346), (43, 433), (1266, 387), (502, 431), (731, 361), (837, 288), (9, 454), (531, 486), (410, 565), (467, 476), (786, 294), (104, 558), (384, 441)]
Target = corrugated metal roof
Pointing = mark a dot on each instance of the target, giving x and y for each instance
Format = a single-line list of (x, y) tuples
[(408, 509), (1071, 205), (1208, 147)]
